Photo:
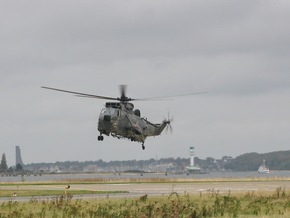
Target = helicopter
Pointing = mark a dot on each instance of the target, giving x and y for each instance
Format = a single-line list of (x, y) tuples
[(119, 118)]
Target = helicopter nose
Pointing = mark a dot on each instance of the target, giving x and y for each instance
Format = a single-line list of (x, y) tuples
[(107, 118)]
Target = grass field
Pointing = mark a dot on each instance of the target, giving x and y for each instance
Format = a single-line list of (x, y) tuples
[(250, 204), (274, 203), (213, 205)]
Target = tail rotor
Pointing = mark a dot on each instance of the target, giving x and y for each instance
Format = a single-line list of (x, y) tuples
[(168, 122)]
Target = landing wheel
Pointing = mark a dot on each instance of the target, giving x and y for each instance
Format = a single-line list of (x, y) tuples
[(143, 147), (100, 138)]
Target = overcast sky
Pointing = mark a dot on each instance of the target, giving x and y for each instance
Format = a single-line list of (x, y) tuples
[(238, 51)]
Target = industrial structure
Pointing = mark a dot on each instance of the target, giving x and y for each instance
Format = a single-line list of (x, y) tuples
[(18, 156)]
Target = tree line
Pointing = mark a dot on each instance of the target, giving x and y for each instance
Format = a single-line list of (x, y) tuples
[(278, 160), (4, 167)]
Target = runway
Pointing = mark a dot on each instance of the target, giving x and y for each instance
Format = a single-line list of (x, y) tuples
[(157, 189), (190, 188)]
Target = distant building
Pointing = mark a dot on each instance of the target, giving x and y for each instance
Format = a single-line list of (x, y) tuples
[(192, 168), (18, 156)]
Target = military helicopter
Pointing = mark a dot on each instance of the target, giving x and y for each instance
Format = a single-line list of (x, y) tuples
[(120, 120)]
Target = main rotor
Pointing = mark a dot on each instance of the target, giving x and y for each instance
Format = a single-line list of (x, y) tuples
[(123, 98)]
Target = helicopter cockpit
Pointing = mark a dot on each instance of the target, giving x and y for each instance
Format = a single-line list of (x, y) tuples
[(109, 113)]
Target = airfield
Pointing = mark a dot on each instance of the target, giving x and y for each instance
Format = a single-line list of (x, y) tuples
[(164, 188), (136, 187)]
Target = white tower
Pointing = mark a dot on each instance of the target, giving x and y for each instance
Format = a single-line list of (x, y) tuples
[(191, 153), (192, 168)]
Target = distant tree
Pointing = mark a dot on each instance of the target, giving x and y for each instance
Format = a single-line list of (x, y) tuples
[(3, 165), (210, 160), (19, 167)]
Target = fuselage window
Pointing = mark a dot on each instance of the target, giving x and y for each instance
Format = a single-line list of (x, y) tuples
[(113, 112), (103, 110)]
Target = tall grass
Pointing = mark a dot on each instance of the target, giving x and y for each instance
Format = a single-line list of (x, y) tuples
[(213, 204)]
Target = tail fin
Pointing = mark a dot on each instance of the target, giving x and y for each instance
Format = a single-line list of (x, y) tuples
[(163, 125)]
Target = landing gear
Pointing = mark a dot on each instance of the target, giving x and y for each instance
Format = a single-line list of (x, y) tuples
[(143, 146), (100, 138)]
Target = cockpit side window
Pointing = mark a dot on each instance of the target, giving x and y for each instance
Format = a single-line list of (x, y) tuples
[(103, 110), (112, 112)]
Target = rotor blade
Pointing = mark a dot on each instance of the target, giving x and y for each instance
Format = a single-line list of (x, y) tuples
[(79, 94), (123, 91), (166, 97), (170, 129)]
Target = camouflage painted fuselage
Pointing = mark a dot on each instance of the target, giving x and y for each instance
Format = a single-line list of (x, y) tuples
[(121, 121)]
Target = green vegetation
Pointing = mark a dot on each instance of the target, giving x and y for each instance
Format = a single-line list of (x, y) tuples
[(3, 164), (278, 160), (212, 204)]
